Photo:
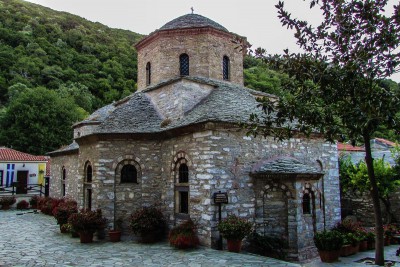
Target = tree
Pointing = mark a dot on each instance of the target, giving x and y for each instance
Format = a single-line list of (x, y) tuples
[(355, 177), (335, 84), (38, 121)]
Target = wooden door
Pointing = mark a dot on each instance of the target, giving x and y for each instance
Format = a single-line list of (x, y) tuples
[(22, 179)]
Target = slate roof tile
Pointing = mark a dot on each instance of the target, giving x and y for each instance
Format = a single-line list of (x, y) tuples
[(192, 21), (284, 165)]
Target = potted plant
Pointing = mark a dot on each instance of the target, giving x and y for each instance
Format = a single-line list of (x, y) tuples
[(234, 229), (184, 236), (328, 244), (22, 205), (388, 234), (6, 202), (115, 233), (33, 202), (362, 236), (85, 223), (62, 212), (350, 244), (148, 223), (101, 233), (371, 239)]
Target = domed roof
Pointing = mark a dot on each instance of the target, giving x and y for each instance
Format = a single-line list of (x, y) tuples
[(192, 21)]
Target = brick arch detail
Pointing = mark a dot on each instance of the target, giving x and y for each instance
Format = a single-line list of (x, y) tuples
[(180, 158), (87, 163), (273, 186), (128, 159)]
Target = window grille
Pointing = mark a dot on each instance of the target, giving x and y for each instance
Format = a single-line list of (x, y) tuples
[(226, 68), (184, 64)]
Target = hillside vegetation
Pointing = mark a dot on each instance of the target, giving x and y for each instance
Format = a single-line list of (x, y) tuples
[(56, 68), (42, 47)]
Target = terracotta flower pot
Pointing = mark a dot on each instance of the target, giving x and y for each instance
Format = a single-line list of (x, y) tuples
[(115, 236), (346, 250), (329, 256), (86, 237), (234, 245), (363, 245)]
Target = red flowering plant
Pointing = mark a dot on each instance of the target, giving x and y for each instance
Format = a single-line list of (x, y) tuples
[(64, 210), (45, 204), (389, 230), (22, 205), (147, 219), (184, 236), (86, 221), (33, 201), (7, 200)]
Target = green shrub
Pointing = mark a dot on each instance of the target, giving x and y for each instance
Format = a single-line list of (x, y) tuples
[(328, 240), (234, 228)]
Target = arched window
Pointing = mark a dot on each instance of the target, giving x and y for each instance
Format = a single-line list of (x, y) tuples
[(184, 64), (308, 202), (182, 186), (226, 68), (183, 173), (64, 175), (128, 174), (89, 174), (148, 73)]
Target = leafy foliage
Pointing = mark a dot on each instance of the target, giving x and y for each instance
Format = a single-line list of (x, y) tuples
[(86, 221), (328, 240), (184, 236), (147, 219), (42, 47), (336, 84), (39, 120), (234, 227)]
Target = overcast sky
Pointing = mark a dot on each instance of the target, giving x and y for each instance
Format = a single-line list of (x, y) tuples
[(255, 19)]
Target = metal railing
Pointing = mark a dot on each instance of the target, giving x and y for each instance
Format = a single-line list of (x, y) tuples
[(29, 189)]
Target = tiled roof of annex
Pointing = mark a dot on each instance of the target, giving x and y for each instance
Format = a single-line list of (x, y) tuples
[(9, 154)]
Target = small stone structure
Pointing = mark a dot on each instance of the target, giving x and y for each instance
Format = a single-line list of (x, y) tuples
[(176, 142)]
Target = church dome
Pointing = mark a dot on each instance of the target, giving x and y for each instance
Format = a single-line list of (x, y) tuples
[(192, 21)]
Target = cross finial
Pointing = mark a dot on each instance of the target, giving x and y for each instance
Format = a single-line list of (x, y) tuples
[(192, 9)]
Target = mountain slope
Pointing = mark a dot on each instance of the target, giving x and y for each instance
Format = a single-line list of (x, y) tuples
[(43, 47)]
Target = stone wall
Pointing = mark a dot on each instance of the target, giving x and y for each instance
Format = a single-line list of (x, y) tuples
[(360, 205), (205, 49), (219, 159), (70, 163)]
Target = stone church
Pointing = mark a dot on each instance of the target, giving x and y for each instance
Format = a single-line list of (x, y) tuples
[(176, 141)]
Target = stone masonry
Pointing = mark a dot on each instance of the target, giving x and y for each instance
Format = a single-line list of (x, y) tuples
[(193, 120)]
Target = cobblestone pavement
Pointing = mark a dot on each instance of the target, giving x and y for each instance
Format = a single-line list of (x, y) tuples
[(35, 240)]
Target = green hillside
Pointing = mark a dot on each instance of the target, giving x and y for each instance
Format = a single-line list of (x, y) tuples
[(43, 47)]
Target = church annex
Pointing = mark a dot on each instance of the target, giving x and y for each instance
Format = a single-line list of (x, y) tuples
[(176, 141)]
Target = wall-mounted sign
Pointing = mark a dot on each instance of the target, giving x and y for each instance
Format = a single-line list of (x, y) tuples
[(220, 198), (32, 175)]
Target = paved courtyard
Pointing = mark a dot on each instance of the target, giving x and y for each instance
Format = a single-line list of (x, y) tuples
[(35, 240)]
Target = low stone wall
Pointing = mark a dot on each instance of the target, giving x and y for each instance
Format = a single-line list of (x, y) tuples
[(360, 205)]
